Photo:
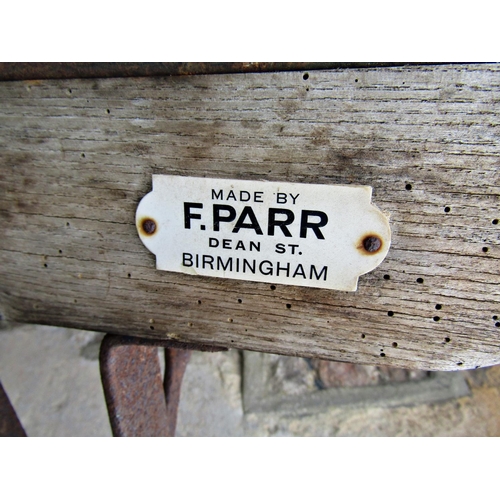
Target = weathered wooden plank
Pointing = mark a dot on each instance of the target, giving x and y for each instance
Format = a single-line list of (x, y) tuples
[(77, 156)]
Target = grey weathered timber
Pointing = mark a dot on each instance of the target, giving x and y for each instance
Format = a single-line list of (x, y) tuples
[(77, 156)]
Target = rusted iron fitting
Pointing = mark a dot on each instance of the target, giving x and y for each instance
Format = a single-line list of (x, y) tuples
[(139, 402), (10, 426)]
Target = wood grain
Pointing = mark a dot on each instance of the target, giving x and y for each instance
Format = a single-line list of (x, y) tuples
[(77, 156)]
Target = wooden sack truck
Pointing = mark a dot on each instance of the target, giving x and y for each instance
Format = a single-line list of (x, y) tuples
[(130, 205)]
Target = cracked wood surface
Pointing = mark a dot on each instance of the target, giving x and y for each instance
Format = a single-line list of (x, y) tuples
[(77, 156)]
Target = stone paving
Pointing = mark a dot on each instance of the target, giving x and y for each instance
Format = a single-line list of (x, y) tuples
[(52, 378)]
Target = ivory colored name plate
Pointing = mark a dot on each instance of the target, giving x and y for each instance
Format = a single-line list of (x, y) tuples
[(313, 235)]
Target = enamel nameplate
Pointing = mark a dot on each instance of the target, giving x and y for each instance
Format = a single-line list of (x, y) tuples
[(313, 235)]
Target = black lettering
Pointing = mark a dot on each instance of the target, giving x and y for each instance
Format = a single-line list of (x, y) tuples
[(299, 272), (218, 218), (253, 224), (247, 194), (280, 198), (231, 196), (217, 196), (247, 264), (208, 260), (268, 271), (240, 245), (188, 215), (318, 276), (187, 260), (279, 268), (255, 246), (272, 222), (257, 197), (294, 198), (280, 248), (229, 263), (226, 244), (213, 242), (305, 223)]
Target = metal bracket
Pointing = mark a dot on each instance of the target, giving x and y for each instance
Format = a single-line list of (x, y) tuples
[(139, 402), (10, 425)]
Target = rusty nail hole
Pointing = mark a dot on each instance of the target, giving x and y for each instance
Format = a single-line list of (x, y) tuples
[(239, 301), (459, 363), (420, 280), (438, 306), (485, 249), (190, 324), (394, 344), (60, 251), (289, 306), (229, 320), (382, 354), (363, 335), (151, 327), (83, 155), (447, 339), (45, 265), (273, 287), (305, 76), (494, 221), (447, 209), (408, 187), (436, 318), (199, 302), (129, 275), (356, 80), (497, 324), (372, 244), (107, 111), (494, 318), (149, 226), (390, 313), (387, 277)]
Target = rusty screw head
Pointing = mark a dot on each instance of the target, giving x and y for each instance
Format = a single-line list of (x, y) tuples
[(372, 244), (149, 226)]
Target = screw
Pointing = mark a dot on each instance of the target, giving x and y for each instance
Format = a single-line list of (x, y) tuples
[(149, 226), (372, 244)]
